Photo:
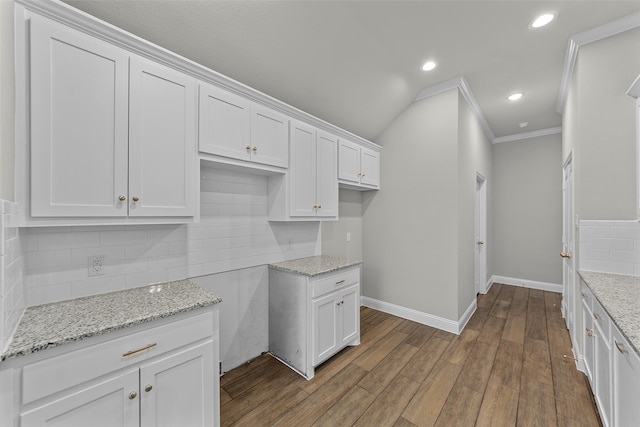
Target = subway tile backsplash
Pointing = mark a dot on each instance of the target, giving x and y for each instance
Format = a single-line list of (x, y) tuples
[(233, 233), (610, 246)]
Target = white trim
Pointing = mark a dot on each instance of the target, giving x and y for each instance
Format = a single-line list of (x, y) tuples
[(487, 286), (421, 317), (576, 41), (527, 135), (461, 84), (70, 16), (634, 89), (525, 283)]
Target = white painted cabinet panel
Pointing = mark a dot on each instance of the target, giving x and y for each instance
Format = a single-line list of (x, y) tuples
[(325, 327), (177, 390), (79, 107), (626, 379), (302, 179), (224, 124), (350, 312), (589, 341), (269, 137), (358, 166), (162, 141), (107, 404), (327, 175)]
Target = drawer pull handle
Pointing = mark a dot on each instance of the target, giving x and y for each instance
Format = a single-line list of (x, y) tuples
[(620, 347), (596, 316), (146, 347), (340, 282)]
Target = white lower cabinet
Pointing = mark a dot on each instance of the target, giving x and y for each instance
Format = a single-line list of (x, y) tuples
[(312, 318), (626, 381), (155, 376)]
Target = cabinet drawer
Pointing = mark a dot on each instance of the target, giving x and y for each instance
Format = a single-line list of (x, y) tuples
[(601, 318), (55, 374), (587, 296), (331, 281)]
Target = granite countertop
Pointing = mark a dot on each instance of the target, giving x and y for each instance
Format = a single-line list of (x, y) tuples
[(619, 295), (315, 265), (55, 324)]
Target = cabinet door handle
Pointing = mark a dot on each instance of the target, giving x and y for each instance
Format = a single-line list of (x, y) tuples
[(590, 332), (122, 198), (596, 316), (146, 347), (135, 198), (255, 149), (340, 282), (148, 388), (133, 395), (248, 147), (620, 347), (363, 174)]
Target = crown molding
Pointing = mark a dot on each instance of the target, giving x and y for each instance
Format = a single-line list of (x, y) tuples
[(576, 41), (527, 135), (461, 84), (79, 20)]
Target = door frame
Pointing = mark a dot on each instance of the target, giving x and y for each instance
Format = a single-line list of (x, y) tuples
[(480, 243)]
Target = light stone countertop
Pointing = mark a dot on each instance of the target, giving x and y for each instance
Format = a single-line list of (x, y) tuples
[(315, 265), (619, 295), (55, 324)]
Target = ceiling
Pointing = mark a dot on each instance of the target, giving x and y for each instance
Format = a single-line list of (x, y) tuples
[(357, 64)]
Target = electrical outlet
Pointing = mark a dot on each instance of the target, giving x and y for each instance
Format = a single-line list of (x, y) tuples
[(96, 265), (348, 236)]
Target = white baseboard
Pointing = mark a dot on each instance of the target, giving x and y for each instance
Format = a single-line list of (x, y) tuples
[(421, 317), (531, 284)]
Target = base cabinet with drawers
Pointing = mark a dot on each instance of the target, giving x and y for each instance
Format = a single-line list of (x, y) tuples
[(312, 318), (148, 375)]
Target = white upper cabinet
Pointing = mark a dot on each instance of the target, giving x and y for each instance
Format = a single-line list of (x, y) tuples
[(235, 128), (112, 134), (162, 141), (79, 123), (313, 172), (358, 166)]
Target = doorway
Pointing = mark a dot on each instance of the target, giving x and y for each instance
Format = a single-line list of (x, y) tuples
[(481, 233)]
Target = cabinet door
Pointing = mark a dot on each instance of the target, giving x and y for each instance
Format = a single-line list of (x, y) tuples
[(327, 175), (349, 162), (325, 327), (105, 404), (602, 374), (349, 314), (370, 168), (269, 137), (179, 390), (79, 107), (224, 123), (162, 150), (588, 339), (626, 378), (302, 169)]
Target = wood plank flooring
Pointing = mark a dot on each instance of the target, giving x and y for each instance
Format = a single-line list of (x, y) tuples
[(507, 368)]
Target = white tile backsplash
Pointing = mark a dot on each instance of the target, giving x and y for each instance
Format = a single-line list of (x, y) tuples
[(12, 301), (610, 246), (233, 234)]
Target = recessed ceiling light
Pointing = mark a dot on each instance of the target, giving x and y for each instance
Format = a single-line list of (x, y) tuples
[(429, 65), (542, 20), (523, 124), (515, 96)]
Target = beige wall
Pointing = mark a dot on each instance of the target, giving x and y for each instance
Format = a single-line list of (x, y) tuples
[(527, 209), (334, 233), (6, 101), (600, 121), (410, 224)]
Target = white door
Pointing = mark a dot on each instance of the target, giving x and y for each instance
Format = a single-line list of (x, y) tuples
[(370, 168), (79, 116), (325, 326), (349, 314), (302, 168), (269, 137), (568, 285), (481, 233), (162, 141), (327, 174), (349, 162), (113, 402), (177, 390)]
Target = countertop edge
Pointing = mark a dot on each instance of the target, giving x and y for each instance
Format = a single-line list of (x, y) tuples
[(306, 271)]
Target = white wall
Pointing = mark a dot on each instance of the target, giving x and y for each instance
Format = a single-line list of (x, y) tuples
[(527, 209), (410, 225), (334, 233)]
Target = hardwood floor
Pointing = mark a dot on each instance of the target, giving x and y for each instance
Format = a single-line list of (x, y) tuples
[(507, 368)]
